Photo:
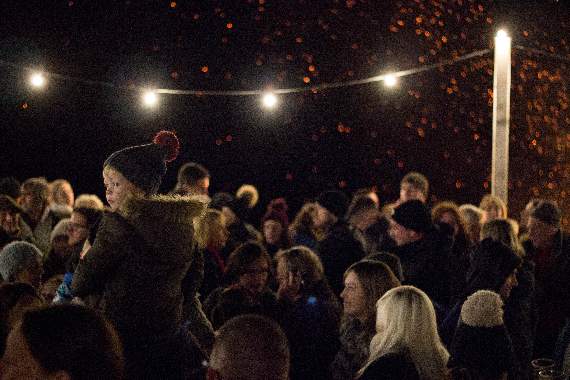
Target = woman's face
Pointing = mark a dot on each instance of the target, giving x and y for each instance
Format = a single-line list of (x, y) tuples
[(491, 213), (18, 361), (117, 188), (272, 231), (254, 279), (353, 296)]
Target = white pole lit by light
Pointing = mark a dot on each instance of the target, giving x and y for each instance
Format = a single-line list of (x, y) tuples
[(269, 100), (38, 80), (390, 80), (150, 98), (501, 116)]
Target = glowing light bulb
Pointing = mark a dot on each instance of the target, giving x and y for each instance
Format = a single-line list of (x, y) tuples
[(502, 34), (150, 98), (269, 100), (38, 80), (390, 80)]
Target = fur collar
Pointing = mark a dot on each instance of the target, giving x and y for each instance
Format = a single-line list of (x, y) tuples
[(161, 217)]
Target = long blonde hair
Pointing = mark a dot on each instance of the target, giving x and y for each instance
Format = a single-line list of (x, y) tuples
[(406, 324)]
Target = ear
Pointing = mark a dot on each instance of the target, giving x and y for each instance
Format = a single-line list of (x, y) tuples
[(59, 375)]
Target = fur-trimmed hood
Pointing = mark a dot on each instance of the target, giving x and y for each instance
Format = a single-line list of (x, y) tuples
[(161, 218)]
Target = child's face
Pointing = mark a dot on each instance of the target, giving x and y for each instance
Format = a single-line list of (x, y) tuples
[(117, 188)]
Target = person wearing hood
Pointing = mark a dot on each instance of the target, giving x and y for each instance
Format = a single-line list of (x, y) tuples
[(141, 253)]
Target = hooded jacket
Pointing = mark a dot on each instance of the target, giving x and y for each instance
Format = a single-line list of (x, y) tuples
[(138, 260)]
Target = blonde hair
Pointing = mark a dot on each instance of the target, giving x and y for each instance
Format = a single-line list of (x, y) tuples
[(490, 201), (406, 324), (504, 231), (89, 201), (58, 193), (204, 227)]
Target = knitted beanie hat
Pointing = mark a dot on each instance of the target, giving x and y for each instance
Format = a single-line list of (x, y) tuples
[(413, 215), (277, 210), (17, 257), (336, 202), (145, 165), (547, 212), (482, 343), (60, 229)]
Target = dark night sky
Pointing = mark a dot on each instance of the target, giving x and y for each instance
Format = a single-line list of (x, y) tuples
[(437, 122)]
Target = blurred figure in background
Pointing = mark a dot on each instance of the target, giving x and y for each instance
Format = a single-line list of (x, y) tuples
[(61, 197)]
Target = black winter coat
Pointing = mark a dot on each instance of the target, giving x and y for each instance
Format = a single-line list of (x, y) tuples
[(338, 250), (426, 264)]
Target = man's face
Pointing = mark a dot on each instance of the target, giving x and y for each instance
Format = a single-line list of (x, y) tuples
[(272, 231), (78, 230), (9, 221), (408, 192), (31, 201), (540, 233)]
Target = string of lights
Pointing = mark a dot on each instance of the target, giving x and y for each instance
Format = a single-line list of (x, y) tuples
[(150, 97)]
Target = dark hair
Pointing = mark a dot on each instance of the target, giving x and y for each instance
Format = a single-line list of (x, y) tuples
[(91, 215), (243, 256), (547, 212), (73, 339), (391, 260), (359, 204), (240, 353), (38, 186), (10, 186), (191, 172)]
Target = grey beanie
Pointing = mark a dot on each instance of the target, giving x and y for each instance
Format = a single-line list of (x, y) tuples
[(17, 257)]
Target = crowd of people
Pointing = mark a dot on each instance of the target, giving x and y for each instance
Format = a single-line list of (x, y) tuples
[(187, 286)]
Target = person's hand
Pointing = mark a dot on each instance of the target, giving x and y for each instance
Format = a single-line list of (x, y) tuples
[(290, 287), (86, 248)]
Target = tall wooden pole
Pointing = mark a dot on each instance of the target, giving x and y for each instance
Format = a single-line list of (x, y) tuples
[(501, 116)]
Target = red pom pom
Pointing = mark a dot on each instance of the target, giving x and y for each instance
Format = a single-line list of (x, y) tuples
[(169, 141)]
